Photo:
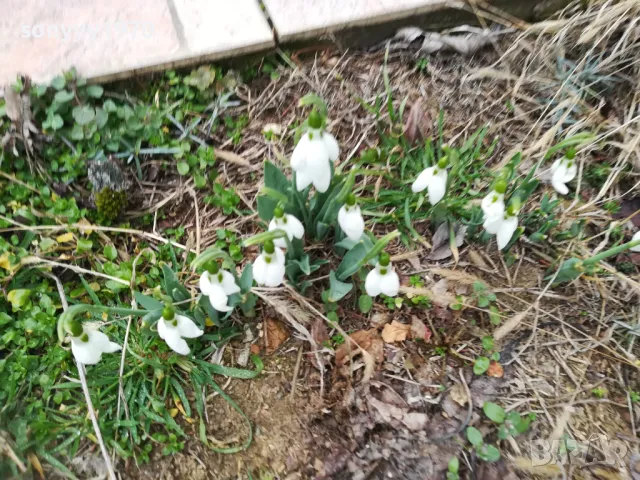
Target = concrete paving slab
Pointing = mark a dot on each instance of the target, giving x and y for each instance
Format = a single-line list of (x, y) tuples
[(108, 39), (301, 20)]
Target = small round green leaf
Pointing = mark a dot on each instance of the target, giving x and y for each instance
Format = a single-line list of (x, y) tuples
[(365, 302), (110, 252), (94, 91), (63, 96), (474, 436), (83, 114), (489, 453), (183, 168), (481, 365), (494, 411)]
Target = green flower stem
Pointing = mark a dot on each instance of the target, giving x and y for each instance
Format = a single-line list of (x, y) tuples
[(378, 247), (74, 310), (263, 237), (302, 204), (210, 254), (610, 252)]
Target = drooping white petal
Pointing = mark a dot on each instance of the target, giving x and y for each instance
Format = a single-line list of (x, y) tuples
[(331, 144), (390, 282), (558, 178), (351, 222), (303, 179), (506, 230), (291, 226), (205, 283), (229, 284), (492, 224), (437, 186), (423, 180), (322, 177), (218, 298), (260, 270), (635, 238), (171, 335), (493, 205), (298, 158), (187, 327), (372, 283), (269, 274), (90, 352)]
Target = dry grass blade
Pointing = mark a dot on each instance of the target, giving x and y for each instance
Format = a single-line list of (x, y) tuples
[(508, 326)]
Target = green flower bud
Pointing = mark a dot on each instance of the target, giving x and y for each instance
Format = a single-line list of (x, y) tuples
[(278, 212), (213, 268), (168, 313), (74, 327), (443, 162), (315, 120), (269, 247), (514, 206), (384, 259), (500, 186), (570, 153), (351, 199), (84, 338), (371, 155)]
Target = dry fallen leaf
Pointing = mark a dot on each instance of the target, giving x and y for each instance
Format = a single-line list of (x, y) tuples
[(420, 330), (275, 335), (456, 276), (33, 460), (459, 394), (476, 259), (419, 124), (395, 332), (379, 319), (495, 370), (369, 340), (441, 242), (64, 238), (412, 420)]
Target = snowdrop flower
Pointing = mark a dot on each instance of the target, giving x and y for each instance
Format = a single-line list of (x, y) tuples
[(493, 204), (174, 328), (290, 224), (434, 179), (218, 284), (382, 279), (269, 267), (563, 171), (88, 345), (636, 237), (504, 226), (350, 219), (312, 157)]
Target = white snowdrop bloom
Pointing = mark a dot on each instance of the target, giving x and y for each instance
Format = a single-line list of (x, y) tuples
[(493, 204), (382, 279), (89, 345), (269, 266), (504, 226), (563, 171), (506, 230), (175, 329), (636, 237), (218, 285), (312, 157), (434, 179), (350, 219), (290, 224)]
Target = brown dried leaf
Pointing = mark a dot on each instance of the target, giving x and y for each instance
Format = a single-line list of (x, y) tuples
[(459, 394), (412, 420), (442, 247), (495, 370), (420, 330), (369, 340), (419, 124), (275, 335), (319, 331), (395, 332), (379, 319)]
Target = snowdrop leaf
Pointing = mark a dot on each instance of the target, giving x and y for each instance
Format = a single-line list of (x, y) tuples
[(314, 100), (246, 279), (568, 271), (210, 254), (148, 303), (172, 286), (352, 261), (275, 180), (338, 289)]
